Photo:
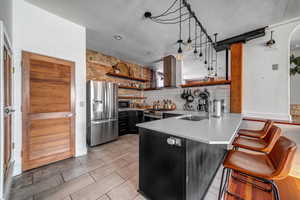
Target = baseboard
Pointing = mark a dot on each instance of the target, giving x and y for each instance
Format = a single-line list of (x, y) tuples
[(274, 116), (81, 152)]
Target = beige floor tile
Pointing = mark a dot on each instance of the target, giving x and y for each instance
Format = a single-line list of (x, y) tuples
[(140, 197), (131, 157), (98, 189), (125, 191), (105, 197), (108, 169), (36, 188), (129, 170), (64, 190), (22, 180), (54, 169), (69, 174), (67, 198)]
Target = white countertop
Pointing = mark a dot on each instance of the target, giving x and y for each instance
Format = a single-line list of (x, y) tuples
[(211, 131)]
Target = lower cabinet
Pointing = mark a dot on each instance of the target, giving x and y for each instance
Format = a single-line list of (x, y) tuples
[(128, 121), (175, 168), (162, 166)]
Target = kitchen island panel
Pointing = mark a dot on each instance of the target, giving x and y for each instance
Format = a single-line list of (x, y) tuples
[(202, 163)]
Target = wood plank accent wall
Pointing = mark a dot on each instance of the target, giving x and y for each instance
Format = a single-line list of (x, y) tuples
[(236, 98), (99, 64)]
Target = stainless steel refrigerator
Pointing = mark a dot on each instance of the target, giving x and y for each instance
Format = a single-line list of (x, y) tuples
[(102, 112)]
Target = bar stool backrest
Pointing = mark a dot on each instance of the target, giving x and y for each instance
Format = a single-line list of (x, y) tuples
[(282, 156), (268, 125), (272, 137)]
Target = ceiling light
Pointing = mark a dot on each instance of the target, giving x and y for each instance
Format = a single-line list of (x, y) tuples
[(117, 37)]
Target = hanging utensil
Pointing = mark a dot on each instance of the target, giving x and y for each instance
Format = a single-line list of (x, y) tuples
[(190, 98)]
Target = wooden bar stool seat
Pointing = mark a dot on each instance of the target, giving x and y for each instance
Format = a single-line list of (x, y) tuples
[(266, 168), (264, 145), (257, 133)]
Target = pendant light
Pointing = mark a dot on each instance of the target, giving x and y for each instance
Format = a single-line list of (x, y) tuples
[(179, 55), (211, 57), (205, 61), (189, 41), (200, 54), (195, 51), (216, 59)]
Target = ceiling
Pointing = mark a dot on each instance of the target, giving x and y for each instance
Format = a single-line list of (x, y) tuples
[(144, 41)]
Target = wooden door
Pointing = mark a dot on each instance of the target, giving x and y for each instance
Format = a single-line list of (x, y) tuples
[(48, 110), (7, 108)]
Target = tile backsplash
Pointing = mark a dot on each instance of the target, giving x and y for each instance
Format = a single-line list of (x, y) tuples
[(174, 94)]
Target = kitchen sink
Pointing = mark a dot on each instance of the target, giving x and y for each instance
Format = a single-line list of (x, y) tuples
[(193, 118)]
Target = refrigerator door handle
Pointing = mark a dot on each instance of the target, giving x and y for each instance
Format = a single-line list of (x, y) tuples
[(103, 121)]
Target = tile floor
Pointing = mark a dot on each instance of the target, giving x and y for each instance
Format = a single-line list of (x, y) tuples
[(107, 172)]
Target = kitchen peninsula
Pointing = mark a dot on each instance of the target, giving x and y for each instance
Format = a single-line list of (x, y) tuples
[(179, 156)]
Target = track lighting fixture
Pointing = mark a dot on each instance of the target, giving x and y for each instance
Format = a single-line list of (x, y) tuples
[(180, 12)]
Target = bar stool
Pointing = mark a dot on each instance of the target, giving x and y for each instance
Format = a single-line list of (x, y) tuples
[(274, 165), (264, 145), (257, 133)]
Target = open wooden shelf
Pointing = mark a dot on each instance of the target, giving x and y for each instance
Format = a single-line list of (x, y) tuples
[(126, 77), (207, 83), (131, 97), (129, 87)]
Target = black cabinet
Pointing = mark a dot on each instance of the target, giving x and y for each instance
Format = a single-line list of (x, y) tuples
[(174, 168), (162, 166), (128, 121), (123, 123)]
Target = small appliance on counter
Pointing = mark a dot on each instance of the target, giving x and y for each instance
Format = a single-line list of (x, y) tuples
[(102, 112), (124, 104)]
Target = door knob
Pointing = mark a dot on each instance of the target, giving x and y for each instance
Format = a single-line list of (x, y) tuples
[(8, 110)]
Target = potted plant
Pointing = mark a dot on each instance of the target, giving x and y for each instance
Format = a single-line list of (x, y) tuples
[(295, 65)]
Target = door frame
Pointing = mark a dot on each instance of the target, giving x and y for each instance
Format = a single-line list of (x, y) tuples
[(5, 177), (26, 104)]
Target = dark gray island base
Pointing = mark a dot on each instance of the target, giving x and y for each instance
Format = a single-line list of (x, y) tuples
[(175, 168)]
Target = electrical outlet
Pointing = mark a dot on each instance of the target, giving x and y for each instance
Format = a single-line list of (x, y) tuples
[(275, 67)]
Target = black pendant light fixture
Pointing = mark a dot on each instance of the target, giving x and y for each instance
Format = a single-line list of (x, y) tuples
[(200, 54), (216, 58), (189, 41), (179, 13), (195, 50), (205, 61), (179, 56)]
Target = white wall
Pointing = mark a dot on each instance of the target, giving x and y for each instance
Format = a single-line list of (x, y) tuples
[(267, 92), (6, 15), (41, 32), (194, 67), (295, 81), (174, 94)]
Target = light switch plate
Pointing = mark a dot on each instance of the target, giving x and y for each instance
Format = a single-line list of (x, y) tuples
[(81, 104), (275, 67)]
